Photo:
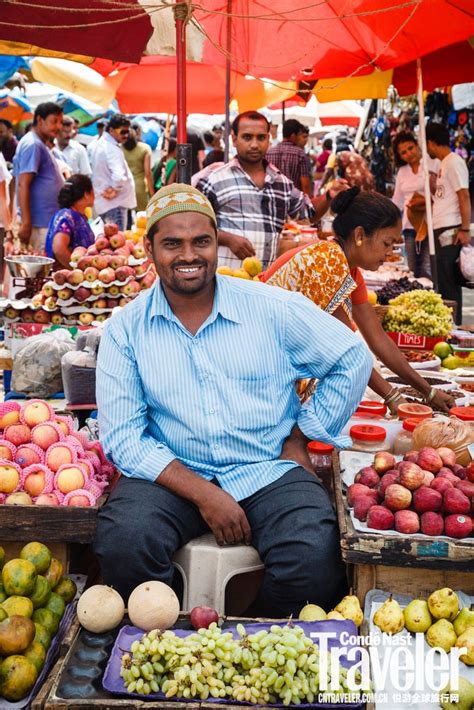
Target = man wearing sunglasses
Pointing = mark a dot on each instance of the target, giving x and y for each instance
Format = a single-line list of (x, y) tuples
[(113, 182)]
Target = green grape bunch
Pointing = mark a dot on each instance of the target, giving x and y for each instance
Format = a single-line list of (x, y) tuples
[(279, 665), (419, 312)]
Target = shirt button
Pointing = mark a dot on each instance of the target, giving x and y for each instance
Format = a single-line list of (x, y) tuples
[(212, 411), (216, 446)]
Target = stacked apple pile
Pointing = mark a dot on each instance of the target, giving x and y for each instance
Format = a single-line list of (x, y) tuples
[(43, 460), (109, 273), (427, 492)]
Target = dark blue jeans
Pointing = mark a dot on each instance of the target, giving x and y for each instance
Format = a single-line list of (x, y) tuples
[(293, 526), (418, 254)]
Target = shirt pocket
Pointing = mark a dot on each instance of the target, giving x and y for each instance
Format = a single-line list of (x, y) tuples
[(252, 402)]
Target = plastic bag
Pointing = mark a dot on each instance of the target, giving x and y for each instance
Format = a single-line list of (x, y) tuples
[(450, 432), (79, 369), (466, 262), (37, 365)]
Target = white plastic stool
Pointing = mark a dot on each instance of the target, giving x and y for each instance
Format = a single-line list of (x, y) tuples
[(206, 569)]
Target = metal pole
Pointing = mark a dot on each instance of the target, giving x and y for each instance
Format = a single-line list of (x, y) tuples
[(424, 162), (184, 155), (227, 83), (283, 107)]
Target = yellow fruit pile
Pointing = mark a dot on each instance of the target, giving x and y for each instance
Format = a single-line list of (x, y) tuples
[(249, 270), (33, 597)]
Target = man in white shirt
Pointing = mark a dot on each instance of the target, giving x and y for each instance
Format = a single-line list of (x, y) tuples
[(113, 182), (72, 151), (451, 213), (101, 126)]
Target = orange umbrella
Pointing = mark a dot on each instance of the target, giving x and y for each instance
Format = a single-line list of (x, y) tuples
[(14, 108)]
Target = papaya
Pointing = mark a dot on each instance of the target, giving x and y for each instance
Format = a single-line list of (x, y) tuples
[(2, 557), (55, 604), (3, 596), (18, 606), (36, 653), (38, 554), (16, 634), (48, 619), (17, 677), (54, 572), (42, 635), (19, 577), (41, 592), (66, 588)]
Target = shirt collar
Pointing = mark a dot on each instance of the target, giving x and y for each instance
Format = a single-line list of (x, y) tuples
[(271, 172), (110, 139), (224, 302)]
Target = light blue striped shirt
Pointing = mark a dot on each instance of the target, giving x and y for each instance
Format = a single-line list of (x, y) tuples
[(223, 401)]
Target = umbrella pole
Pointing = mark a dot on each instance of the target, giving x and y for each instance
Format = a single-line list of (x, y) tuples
[(227, 83), (424, 153), (184, 155), (283, 107)]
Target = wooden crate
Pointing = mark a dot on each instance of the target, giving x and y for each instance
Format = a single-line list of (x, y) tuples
[(371, 548), (48, 523), (414, 582), (47, 698)]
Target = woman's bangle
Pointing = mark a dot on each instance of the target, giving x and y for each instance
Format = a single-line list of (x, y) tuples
[(431, 395), (392, 396)]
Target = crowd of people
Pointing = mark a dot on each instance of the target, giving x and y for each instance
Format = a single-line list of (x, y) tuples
[(264, 184)]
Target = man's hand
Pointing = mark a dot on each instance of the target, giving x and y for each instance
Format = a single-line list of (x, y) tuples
[(226, 518), (294, 449), (240, 246), (337, 186), (463, 238), (24, 233), (109, 193)]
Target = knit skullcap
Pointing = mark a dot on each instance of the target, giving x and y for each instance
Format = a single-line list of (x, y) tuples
[(177, 198)]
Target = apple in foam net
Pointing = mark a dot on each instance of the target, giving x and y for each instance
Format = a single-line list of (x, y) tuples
[(35, 412), (58, 455), (19, 498), (35, 482), (46, 434), (9, 477), (11, 414), (17, 434), (28, 454), (7, 451), (47, 499), (70, 477)]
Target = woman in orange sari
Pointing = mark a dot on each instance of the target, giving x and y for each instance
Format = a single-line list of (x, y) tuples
[(367, 225)]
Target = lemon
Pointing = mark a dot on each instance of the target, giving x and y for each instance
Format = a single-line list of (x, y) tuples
[(443, 350), (241, 274), (372, 298), (224, 270), (450, 362)]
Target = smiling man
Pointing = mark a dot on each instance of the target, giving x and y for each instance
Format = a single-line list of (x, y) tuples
[(196, 398)]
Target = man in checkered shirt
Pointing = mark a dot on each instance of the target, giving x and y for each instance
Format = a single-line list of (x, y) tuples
[(289, 156), (253, 199)]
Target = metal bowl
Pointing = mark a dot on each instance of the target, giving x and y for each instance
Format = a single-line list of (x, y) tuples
[(29, 267)]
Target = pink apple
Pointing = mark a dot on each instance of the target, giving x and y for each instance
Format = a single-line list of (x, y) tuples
[(101, 303), (107, 275), (28, 454), (9, 476), (118, 260), (117, 240), (17, 434), (34, 483), (10, 414), (77, 253), (92, 251), (79, 501), (70, 477), (59, 454), (91, 274), (101, 242), (110, 229), (47, 499), (100, 262), (35, 412), (75, 277), (46, 434), (84, 262)]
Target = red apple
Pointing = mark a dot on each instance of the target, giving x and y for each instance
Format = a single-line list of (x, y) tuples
[(75, 277), (41, 317), (470, 472), (117, 241), (466, 487), (427, 499), (397, 497), (441, 484), (428, 477), (387, 481), (47, 499), (368, 476), (362, 505), (411, 476), (383, 461), (101, 242), (17, 434), (407, 522), (118, 260), (458, 526), (100, 262), (411, 456), (455, 501), (447, 456), (432, 524), (82, 294), (107, 275), (429, 460), (77, 253), (356, 490), (60, 277), (122, 273), (110, 229), (380, 518), (202, 617), (84, 262)]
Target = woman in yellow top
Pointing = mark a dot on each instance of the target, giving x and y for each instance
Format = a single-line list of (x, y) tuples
[(367, 225)]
